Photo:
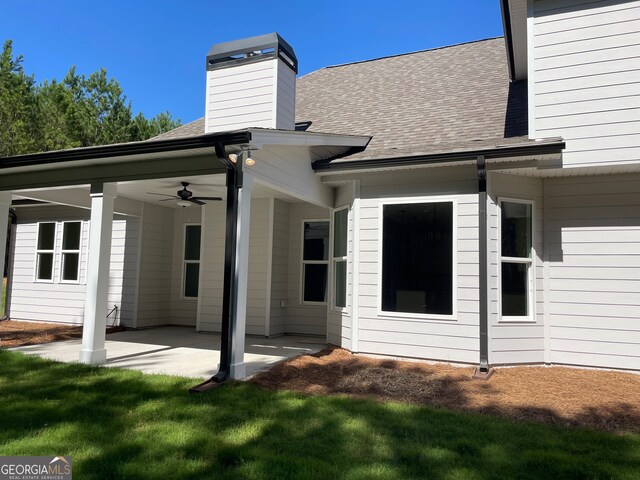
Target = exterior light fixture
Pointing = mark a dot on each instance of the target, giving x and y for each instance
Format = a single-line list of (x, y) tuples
[(184, 203), (249, 162), (233, 157)]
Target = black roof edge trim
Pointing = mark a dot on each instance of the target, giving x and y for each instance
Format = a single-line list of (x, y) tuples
[(492, 153), (120, 150), (506, 23)]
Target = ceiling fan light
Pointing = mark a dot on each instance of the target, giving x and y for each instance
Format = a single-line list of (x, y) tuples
[(249, 162), (233, 157), (183, 203)]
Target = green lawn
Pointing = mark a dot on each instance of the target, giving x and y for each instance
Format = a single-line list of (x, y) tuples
[(123, 424)]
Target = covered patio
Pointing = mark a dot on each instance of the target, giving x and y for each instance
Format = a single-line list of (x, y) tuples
[(175, 350)]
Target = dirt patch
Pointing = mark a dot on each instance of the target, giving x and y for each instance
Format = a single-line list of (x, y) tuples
[(561, 396), (16, 334)]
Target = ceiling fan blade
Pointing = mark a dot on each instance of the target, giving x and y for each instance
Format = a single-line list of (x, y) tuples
[(207, 198), (169, 199), (161, 194), (195, 200)]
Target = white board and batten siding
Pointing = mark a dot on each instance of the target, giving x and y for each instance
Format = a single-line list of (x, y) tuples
[(64, 302), (260, 94), (593, 225), (586, 78), (514, 342), (212, 267), (454, 339)]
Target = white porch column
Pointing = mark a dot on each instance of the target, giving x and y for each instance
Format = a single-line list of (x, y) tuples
[(238, 370), (98, 263), (5, 204)]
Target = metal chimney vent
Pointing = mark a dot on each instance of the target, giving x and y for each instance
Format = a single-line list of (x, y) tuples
[(248, 50)]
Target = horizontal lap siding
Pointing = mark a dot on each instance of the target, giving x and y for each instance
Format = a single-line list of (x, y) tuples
[(302, 318), (279, 268), (156, 253), (450, 340), (594, 298), (212, 277), (64, 302), (241, 96), (587, 78), (511, 342)]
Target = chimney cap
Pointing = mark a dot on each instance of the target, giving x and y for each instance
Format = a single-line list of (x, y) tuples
[(249, 50)]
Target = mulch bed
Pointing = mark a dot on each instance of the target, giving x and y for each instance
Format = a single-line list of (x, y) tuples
[(603, 400), (16, 334)]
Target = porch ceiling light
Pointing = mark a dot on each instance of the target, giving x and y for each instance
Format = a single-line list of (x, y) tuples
[(184, 203), (249, 162), (233, 157)]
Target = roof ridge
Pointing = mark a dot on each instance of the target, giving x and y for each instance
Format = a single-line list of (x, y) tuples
[(404, 54)]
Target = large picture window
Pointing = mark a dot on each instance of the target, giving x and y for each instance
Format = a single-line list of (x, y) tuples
[(71, 238), (516, 259), (44, 251), (191, 272), (315, 261), (417, 258), (340, 232)]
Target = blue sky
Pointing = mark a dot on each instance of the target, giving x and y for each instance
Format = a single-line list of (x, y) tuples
[(156, 50)]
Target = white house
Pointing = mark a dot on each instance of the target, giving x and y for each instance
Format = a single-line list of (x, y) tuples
[(478, 203)]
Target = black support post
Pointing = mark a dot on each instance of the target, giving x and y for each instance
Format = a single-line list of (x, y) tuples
[(229, 297), (483, 367)]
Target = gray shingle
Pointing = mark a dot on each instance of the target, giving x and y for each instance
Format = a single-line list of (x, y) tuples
[(449, 98)]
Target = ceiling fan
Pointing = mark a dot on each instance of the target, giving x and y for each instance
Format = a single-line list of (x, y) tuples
[(185, 197)]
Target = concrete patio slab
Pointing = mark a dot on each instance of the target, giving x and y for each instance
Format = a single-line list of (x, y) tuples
[(179, 351)]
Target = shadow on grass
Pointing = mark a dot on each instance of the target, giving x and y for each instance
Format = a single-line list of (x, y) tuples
[(123, 424)]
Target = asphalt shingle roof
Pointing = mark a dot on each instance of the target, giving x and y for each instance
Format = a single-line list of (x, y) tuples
[(432, 101)]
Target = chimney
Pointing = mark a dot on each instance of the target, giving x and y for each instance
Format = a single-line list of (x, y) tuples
[(251, 83)]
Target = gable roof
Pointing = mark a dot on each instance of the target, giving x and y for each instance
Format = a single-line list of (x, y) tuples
[(432, 101)]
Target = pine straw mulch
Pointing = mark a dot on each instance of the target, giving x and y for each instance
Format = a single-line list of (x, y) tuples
[(603, 400), (14, 333)]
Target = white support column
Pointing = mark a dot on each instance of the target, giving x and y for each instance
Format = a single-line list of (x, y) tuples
[(5, 204), (99, 256), (238, 370)]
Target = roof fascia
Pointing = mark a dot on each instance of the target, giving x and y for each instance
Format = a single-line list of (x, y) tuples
[(126, 149), (542, 148), (508, 38)]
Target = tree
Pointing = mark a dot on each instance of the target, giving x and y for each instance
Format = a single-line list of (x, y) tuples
[(17, 105), (79, 111)]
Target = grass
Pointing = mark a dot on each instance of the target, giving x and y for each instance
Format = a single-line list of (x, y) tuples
[(124, 424)]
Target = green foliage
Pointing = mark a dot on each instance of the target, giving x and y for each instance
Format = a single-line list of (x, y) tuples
[(79, 111), (124, 424)]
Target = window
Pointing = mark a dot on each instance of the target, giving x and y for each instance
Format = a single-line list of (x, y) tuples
[(417, 258), (340, 231), (71, 236), (516, 259), (191, 272), (44, 251), (315, 261)]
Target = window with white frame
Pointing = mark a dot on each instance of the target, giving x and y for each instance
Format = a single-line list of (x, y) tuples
[(340, 232), (417, 258), (191, 258), (45, 247), (516, 259), (71, 239), (315, 261)]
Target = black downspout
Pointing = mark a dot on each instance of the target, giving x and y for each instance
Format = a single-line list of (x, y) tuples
[(483, 370), (13, 220), (230, 279)]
